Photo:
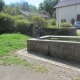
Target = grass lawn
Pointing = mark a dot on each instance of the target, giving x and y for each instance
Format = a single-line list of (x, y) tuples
[(12, 42), (78, 34)]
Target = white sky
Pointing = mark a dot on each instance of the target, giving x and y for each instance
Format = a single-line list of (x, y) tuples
[(33, 2)]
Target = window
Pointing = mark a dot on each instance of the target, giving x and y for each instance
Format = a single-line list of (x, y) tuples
[(63, 20)]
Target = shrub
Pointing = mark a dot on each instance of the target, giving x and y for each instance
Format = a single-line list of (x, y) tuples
[(18, 17), (9, 24), (41, 21), (21, 26), (6, 23), (53, 22), (65, 25)]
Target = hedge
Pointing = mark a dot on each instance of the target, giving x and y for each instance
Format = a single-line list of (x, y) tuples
[(10, 24), (6, 23), (21, 26)]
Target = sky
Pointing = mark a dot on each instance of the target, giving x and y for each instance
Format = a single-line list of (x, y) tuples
[(33, 2)]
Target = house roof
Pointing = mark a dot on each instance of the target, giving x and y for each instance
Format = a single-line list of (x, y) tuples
[(67, 3), (30, 13)]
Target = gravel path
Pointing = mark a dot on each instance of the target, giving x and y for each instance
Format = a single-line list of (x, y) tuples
[(58, 69)]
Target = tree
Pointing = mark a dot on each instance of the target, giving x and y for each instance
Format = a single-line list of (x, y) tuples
[(10, 10), (57, 1), (1, 4), (48, 6), (33, 9), (25, 6), (42, 22), (15, 8), (44, 12)]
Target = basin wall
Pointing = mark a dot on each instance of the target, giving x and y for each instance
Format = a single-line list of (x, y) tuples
[(61, 49)]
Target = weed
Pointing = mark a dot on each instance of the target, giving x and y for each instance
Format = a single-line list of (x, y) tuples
[(11, 42)]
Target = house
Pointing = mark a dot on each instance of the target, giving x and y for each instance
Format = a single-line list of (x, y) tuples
[(26, 13), (67, 11)]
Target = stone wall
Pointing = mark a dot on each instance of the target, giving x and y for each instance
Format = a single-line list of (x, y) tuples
[(67, 50)]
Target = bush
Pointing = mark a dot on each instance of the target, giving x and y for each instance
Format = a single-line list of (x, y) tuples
[(21, 26), (10, 24), (41, 21), (65, 25), (6, 23), (18, 17), (53, 22)]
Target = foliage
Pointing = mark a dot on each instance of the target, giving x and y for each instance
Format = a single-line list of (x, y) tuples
[(9, 24), (11, 10), (44, 12), (21, 25), (20, 6), (78, 33), (6, 23), (54, 14), (63, 32), (25, 6), (65, 25), (33, 9), (18, 17), (1, 4), (41, 21), (15, 8), (48, 6), (51, 23), (16, 5)]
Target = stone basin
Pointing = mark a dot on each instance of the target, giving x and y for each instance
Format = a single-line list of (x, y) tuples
[(64, 47)]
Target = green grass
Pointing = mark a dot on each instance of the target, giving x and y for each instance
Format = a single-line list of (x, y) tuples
[(78, 34), (14, 60), (74, 78), (12, 42), (78, 79)]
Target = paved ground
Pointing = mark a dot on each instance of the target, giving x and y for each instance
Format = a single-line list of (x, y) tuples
[(58, 69)]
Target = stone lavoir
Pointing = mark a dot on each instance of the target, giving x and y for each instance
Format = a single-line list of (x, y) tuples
[(64, 47)]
